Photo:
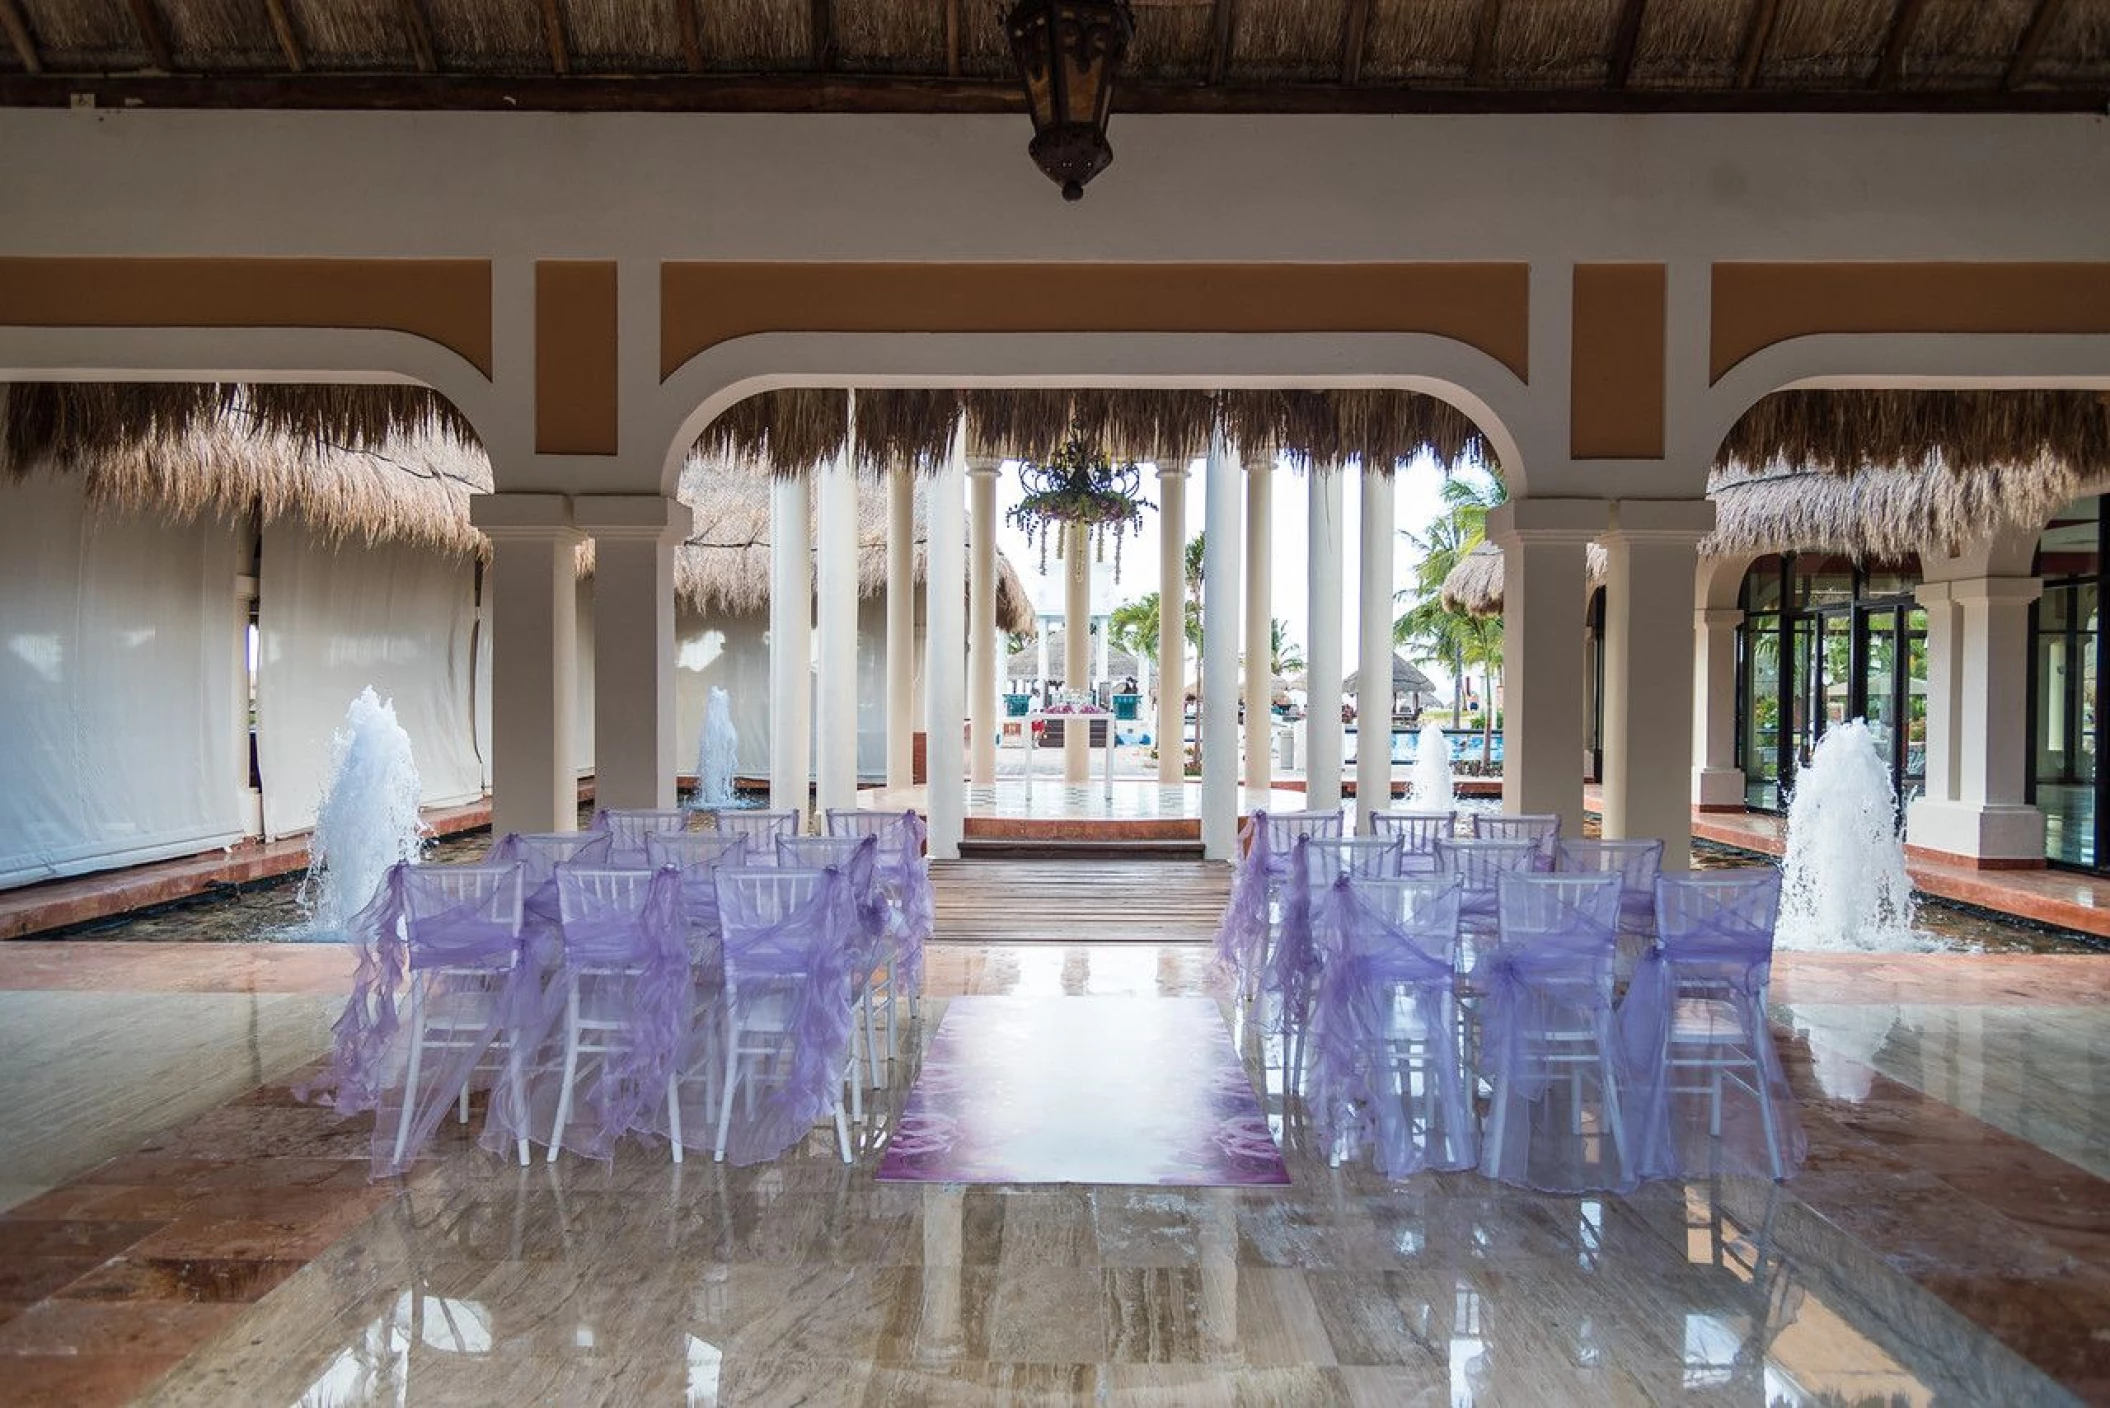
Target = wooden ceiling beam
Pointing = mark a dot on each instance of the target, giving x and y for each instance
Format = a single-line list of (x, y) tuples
[(825, 54), (2025, 59), (553, 35), (1220, 49), (1355, 33), (153, 35), (1903, 20), (1626, 37), (288, 38), (418, 26), (18, 35), (691, 35), (952, 38), (1758, 34), (902, 93), (1484, 27)]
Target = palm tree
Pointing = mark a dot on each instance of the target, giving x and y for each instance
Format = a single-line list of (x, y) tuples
[(1448, 636), (1282, 652), (1483, 647)]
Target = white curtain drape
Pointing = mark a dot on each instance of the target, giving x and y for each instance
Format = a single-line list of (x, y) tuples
[(123, 727), (334, 620)]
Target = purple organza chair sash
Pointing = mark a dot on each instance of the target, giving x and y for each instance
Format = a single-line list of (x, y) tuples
[(1291, 966), (540, 854), (1374, 963), (1701, 991), (1241, 937), (625, 949), (804, 962)]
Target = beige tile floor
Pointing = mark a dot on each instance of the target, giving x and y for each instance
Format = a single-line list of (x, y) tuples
[(806, 1282)]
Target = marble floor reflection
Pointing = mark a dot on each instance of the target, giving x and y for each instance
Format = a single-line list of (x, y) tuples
[(1948, 1242)]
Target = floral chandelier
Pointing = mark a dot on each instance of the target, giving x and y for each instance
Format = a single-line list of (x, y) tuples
[(1079, 486)]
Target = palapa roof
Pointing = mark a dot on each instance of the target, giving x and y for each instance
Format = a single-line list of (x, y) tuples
[(1187, 55), (1475, 584), (380, 467), (1407, 678)]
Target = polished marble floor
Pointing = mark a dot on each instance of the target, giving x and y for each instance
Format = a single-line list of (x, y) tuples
[(1948, 1242)]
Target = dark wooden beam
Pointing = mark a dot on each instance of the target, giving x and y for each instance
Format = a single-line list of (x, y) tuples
[(952, 38), (553, 35), (1902, 22), (418, 26), (153, 35), (1626, 34), (1354, 34), (288, 38), (897, 93), (18, 35), (1758, 33), (1484, 27), (691, 35), (2040, 23), (825, 55), (1220, 49)]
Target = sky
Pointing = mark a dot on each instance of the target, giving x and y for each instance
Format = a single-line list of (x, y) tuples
[(1417, 499)]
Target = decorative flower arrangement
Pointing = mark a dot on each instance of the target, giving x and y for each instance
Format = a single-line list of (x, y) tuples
[(1082, 486)]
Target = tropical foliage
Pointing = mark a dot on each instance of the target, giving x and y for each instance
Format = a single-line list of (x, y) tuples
[(1455, 640)]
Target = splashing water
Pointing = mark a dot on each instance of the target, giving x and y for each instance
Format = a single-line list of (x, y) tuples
[(368, 819), (716, 751), (1432, 790), (1843, 883)]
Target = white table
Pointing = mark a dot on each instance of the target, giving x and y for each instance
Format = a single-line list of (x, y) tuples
[(1041, 716)]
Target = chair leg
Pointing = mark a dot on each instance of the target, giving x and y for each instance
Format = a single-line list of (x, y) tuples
[(1497, 1120), (1762, 1086), (516, 1083), (571, 1072), (871, 1040), (462, 1102), (842, 1130), (674, 1113), (857, 1090), (1611, 1098), (410, 1073), (725, 1096)]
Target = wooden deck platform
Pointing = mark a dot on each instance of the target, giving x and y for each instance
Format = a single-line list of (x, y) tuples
[(1079, 901)]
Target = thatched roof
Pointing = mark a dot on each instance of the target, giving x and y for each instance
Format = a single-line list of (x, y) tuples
[(1475, 584), (1256, 55), (1407, 678), (723, 567)]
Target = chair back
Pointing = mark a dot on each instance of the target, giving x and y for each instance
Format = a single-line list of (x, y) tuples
[(1721, 915), (777, 922), (821, 852), (1480, 865), (1418, 833), (893, 829), (759, 827), (627, 828), (463, 915), (1560, 931), (1379, 915), (1285, 829), (685, 850), (1636, 863), (602, 911), (541, 852), (1541, 827), (1327, 858)]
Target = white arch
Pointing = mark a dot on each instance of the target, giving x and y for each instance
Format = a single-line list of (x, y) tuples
[(1518, 428), (330, 355)]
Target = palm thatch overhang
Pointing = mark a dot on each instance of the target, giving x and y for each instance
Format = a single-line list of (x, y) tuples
[(378, 464), (1407, 678), (1187, 55), (1877, 476)]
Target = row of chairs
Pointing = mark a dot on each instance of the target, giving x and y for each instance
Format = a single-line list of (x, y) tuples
[(1588, 1085)]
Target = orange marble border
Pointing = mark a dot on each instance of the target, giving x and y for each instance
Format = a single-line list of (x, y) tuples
[(1484, 305), (1616, 375), (1756, 305), (447, 301)]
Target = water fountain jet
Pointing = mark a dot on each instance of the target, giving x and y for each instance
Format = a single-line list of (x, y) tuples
[(368, 819), (1843, 882), (716, 751), (1432, 789)]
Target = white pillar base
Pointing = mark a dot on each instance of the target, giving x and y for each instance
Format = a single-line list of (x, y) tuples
[(2008, 833), (1718, 789)]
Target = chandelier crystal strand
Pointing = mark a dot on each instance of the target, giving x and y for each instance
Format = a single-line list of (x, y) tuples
[(1080, 485)]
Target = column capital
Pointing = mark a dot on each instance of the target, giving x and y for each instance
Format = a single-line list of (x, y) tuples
[(632, 517), (1996, 591), (1550, 521), (983, 466), (523, 517), (1672, 522), (1716, 617), (1257, 459), (1167, 470)]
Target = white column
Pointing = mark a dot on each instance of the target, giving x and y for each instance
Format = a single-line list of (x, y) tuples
[(1219, 703), (1988, 821), (790, 643), (1652, 553), (533, 582), (1322, 657), (1373, 693), (985, 647), (1543, 542), (945, 672), (1076, 647), (1102, 645), (901, 627), (1040, 652), (1717, 782), (1259, 677), (1172, 624), (635, 753), (835, 623)]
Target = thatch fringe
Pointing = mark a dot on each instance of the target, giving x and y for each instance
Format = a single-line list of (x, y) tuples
[(80, 420), (794, 431), (1966, 431)]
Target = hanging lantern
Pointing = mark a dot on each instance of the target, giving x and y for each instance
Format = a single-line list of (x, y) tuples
[(1068, 53)]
